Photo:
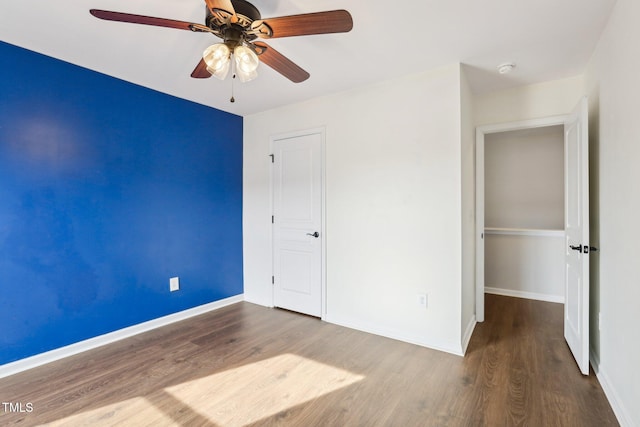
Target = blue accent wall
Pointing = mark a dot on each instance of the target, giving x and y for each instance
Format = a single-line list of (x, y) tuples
[(107, 190)]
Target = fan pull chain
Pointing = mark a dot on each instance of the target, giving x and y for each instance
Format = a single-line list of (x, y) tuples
[(232, 80)]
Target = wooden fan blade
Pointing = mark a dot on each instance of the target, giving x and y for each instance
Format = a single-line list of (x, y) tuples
[(333, 21), (146, 20), (224, 5), (280, 63), (200, 72)]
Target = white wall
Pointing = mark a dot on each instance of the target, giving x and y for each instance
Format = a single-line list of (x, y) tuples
[(546, 99), (526, 264), (393, 205), (524, 178), (614, 91)]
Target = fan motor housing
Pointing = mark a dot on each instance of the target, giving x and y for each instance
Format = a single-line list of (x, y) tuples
[(245, 11)]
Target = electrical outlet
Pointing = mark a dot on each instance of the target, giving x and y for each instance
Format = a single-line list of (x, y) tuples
[(423, 300), (174, 284)]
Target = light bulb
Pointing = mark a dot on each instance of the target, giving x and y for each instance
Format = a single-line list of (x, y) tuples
[(246, 63), (217, 59)]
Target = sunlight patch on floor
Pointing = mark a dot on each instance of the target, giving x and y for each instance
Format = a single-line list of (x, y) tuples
[(249, 393), (137, 410), (235, 397)]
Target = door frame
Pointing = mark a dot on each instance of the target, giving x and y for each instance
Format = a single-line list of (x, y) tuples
[(321, 131), (481, 132)]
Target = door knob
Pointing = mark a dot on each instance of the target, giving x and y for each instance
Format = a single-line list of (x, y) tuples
[(314, 234), (584, 249)]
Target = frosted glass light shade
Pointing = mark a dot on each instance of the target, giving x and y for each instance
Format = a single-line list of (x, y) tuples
[(217, 58), (246, 63)]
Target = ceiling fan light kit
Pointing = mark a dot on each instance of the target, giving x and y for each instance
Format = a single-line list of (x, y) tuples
[(246, 62), (239, 23), (217, 59)]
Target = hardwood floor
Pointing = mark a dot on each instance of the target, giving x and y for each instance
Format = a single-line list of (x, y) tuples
[(249, 365)]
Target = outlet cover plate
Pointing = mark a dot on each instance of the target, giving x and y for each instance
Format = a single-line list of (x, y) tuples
[(174, 284), (423, 300)]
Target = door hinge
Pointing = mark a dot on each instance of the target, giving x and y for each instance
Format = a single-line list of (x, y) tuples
[(273, 158), (273, 280), (273, 219)]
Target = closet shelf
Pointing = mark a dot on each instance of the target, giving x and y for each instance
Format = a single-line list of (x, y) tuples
[(524, 231)]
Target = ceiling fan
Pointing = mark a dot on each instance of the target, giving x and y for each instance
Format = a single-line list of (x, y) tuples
[(238, 23)]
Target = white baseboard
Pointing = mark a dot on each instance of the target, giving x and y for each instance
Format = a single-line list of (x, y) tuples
[(467, 333), (522, 294), (609, 390), (453, 348), (91, 343)]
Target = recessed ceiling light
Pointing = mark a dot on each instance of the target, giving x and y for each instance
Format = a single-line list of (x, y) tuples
[(506, 68)]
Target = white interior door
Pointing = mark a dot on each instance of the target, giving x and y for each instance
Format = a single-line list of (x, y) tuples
[(576, 307), (297, 223)]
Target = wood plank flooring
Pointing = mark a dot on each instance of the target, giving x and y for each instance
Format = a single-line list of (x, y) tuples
[(246, 365)]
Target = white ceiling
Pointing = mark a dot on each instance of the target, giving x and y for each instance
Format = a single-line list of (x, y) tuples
[(547, 39)]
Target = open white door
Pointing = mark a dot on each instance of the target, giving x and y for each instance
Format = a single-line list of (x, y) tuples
[(297, 223), (576, 306)]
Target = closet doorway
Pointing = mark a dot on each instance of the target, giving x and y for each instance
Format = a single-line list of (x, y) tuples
[(532, 217), (524, 213)]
